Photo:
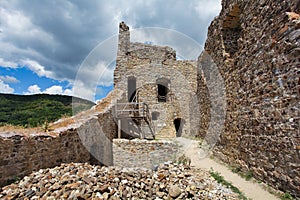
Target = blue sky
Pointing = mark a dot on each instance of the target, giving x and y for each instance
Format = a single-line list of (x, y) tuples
[(22, 80), (44, 43)]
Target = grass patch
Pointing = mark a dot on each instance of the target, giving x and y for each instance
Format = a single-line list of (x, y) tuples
[(220, 179), (236, 169), (13, 180), (183, 159), (246, 175), (286, 196)]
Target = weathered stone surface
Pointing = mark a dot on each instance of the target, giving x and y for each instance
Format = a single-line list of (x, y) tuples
[(255, 45), (38, 152), (174, 191), (66, 182), (150, 66), (87, 139), (143, 153)]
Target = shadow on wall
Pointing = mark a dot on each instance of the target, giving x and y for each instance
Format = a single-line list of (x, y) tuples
[(96, 135)]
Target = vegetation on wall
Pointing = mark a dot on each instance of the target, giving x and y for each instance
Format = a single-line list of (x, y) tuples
[(35, 110)]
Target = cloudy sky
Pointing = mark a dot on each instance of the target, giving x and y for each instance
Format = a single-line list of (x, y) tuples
[(44, 43)]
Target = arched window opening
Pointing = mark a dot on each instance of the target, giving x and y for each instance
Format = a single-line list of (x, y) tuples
[(162, 89), (162, 93)]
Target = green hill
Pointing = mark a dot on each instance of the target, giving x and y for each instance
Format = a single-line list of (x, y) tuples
[(34, 110)]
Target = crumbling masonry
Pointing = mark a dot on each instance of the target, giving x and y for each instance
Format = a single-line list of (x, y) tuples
[(253, 46), (152, 75), (256, 46)]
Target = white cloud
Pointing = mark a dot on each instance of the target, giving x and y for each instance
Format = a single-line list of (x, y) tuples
[(207, 8), (185, 46), (37, 68), (68, 92), (9, 79), (83, 90), (106, 75), (8, 64), (93, 73), (5, 88), (15, 20), (33, 89), (55, 89), (54, 42)]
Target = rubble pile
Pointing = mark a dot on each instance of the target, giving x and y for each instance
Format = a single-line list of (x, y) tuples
[(84, 181)]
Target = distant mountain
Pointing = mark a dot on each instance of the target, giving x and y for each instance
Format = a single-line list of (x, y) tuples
[(35, 110)]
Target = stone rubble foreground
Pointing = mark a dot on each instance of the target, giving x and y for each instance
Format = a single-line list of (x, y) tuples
[(84, 181)]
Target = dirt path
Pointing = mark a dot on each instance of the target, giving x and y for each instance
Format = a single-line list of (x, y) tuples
[(250, 189)]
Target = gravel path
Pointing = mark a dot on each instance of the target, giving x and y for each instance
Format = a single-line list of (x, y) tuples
[(250, 189)]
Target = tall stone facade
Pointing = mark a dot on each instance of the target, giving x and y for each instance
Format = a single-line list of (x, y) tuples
[(153, 74), (255, 45)]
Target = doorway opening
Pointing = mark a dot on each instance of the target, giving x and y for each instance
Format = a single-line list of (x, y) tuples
[(178, 123)]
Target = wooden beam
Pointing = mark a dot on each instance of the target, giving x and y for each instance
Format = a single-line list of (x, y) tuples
[(119, 128)]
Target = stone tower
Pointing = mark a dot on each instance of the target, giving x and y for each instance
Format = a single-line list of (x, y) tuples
[(151, 74), (124, 39)]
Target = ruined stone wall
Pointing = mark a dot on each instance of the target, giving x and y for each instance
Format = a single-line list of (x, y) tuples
[(262, 78), (148, 64), (20, 155), (89, 140), (203, 100), (96, 135), (143, 153)]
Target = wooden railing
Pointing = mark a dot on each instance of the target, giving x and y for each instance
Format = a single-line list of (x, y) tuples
[(131, 109), (135, 110)]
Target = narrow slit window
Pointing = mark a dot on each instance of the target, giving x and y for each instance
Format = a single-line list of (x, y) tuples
[(131, 90)]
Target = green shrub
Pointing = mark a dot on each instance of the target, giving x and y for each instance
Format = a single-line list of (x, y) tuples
[(236, 169), (248, 175), (286, 196)]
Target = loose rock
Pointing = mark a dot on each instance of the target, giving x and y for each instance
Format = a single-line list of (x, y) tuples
[(174, 191), (84, 181)]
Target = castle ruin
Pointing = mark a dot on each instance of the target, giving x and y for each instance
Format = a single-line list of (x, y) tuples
[(150, 75), (255, 46)]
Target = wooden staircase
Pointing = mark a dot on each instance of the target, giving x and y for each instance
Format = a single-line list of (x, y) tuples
[(134, 119)]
